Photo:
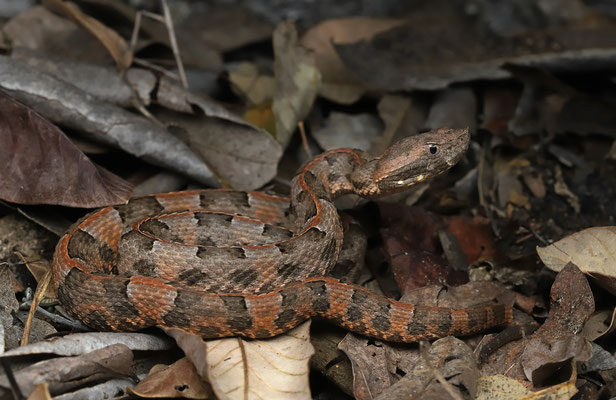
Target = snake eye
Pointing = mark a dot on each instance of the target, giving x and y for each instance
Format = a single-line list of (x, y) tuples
[(433, 148)]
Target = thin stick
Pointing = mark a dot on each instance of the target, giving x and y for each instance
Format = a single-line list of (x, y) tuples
[(135, 36), (302, 133), (146, 63), (174, 44)]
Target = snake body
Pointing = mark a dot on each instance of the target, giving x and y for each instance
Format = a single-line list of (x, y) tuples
[(222, 263)]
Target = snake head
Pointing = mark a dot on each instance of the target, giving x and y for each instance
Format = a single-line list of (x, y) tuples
[(417, 158)]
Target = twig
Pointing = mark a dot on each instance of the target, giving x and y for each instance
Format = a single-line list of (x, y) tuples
[(17, 395), (145, 63), (302, 133), (174, 43), (55, 318)]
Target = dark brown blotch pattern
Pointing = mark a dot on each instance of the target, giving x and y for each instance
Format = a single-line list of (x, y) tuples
[(86, 247), (144, 243), (417, 326), (319, 296), (239, 319), (194, 277)]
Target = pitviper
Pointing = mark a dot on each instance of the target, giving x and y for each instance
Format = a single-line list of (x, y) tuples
[(222, 263)]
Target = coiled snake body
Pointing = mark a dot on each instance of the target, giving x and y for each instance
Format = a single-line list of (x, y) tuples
[(222, 263)]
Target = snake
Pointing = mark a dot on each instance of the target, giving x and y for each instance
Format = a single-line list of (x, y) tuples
[(224, 263)]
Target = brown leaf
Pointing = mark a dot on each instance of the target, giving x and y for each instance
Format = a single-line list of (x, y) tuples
[(42, 166), (370, 366), (114, 43), (178, 380), (475, 237), (545, 359), (41, 30), (450, 359), (339, 84), (64, 104)]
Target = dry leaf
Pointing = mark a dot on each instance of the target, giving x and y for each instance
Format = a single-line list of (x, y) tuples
[(500, 387), (42, 166), (452, 360), (81, 343), (41, 30), (68, 106), (338, 83), (340, 130), (255, 87), (592, 250), (68, 373), (41, 392), (114, 43), (178, 380), (297, 81), (275, 368)]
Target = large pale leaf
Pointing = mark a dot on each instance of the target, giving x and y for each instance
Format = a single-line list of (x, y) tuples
[(272, 369), (502, 387), (593, 250)]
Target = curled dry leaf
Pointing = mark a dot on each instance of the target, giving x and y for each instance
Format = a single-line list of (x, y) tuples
[(297, 81), (448, 361), (114, 43), (42, 166), (370, 366), (552, 347), (592, 250), (275, 368)]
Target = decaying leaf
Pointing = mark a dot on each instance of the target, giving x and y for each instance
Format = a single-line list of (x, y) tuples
[(297, 81), (370, 366), (448, 361), (592, 250), (276, 368), (547, 357), (42, 166), (551, 348)]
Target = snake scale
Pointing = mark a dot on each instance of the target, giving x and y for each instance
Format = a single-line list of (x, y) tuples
[(222, 263)]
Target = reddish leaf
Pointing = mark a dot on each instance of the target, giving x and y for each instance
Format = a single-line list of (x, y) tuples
[(40, 165)]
